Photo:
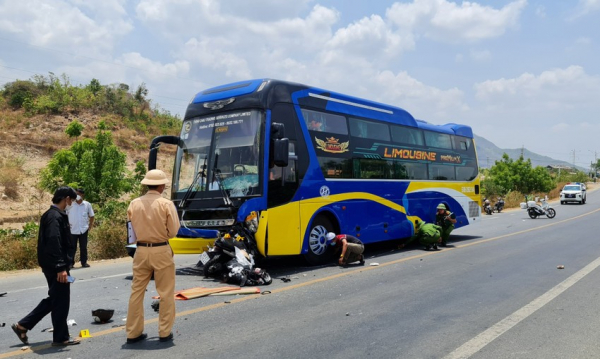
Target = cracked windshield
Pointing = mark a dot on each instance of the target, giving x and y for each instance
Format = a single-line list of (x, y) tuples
[(225, 146)]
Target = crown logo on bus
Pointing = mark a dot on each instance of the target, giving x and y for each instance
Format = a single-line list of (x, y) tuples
[(332, 145)]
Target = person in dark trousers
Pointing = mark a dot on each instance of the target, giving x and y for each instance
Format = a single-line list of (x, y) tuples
[(81, 219), (351, 248), (445, 219), (54, 243), (428, 235)]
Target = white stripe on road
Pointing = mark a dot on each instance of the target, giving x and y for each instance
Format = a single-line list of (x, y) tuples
[(82, 280), (476, 344)]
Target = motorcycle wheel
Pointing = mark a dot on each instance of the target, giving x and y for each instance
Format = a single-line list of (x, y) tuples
[(532, 214), (550, 213), (210, 263)]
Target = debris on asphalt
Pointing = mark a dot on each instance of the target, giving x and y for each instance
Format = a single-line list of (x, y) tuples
[(24, 348), (2, 325), (285, 279), (374, 264), (560, 267), (102, 316), (50, 330), (347, 314), (71, 322), (227, 302), (155, 305), (3, 294)]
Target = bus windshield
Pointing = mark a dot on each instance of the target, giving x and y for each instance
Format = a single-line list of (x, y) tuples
[(225, 145)]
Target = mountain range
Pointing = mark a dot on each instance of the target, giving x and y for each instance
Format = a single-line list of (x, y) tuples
[(488, 153)]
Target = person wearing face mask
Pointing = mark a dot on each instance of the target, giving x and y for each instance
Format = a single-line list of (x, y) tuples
[(53, 248), (81, 219)]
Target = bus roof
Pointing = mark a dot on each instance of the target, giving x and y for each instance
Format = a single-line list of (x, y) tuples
[(332, 101)]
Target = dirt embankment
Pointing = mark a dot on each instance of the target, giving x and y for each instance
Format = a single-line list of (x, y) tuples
[(33, 141)]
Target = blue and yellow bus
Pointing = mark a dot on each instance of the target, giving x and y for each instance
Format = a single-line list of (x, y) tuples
[(309, 161)]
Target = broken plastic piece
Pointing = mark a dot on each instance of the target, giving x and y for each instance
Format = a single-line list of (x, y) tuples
[(560, 267), (71, 322), (374, 264)]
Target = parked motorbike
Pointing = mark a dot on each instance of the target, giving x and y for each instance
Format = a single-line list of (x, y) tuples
[(487, 207), (499, 205), (534, 210)]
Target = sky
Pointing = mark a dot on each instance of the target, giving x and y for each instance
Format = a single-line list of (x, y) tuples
[(520, 72)]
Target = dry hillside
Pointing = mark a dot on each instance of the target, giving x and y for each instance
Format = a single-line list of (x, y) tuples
[(31, 141)]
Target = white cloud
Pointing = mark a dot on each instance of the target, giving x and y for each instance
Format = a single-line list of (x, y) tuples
[(425, 102), (560, 127), (447, 21), (559, 88), (583, 41), (585, 7), (480, 55), (540, 11), (61, 25)]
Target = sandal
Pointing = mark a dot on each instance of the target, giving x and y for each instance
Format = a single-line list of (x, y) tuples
[(71, 341), (21, 333)]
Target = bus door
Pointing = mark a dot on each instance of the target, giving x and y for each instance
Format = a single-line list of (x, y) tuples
[(283, 228)]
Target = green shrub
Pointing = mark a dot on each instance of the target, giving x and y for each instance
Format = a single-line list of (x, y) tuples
[(109, 237)]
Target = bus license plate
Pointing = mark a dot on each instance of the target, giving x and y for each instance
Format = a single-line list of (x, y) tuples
[(204, 257)]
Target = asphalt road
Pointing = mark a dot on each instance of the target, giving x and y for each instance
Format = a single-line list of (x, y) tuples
[(495, 292)]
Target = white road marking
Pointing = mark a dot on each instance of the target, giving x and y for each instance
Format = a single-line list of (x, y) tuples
[(476, 344), (82, 280)]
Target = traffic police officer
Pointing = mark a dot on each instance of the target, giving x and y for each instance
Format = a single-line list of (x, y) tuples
[(154, 221)]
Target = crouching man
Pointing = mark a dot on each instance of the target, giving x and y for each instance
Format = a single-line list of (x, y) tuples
[(428, 235), (352, 248)]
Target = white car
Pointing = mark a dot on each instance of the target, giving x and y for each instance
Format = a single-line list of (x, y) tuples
[(573, 192)]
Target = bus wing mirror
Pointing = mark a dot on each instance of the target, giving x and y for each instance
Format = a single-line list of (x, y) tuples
[(281, 153), (277, 131)]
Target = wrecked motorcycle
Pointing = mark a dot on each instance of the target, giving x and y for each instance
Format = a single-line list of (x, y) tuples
[(535, 210)]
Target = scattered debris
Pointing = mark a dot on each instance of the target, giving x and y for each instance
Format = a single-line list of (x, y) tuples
[(71, 322), (50, 330), (2, 325), (347, 314), (285, 279), (118, 325), (227, 302), (266, 292), (560, 267), (374, 264), (102, 315), (24, 348), (155, 305), (3, 294)]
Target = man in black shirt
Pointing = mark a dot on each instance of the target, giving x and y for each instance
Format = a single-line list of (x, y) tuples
[(352, 248), (54, 245)]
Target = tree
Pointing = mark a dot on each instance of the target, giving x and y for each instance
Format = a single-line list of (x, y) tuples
[(94, 164), (519, 175), (74, 129)]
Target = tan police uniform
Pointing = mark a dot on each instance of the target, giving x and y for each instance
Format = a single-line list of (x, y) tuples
[(154, 220)]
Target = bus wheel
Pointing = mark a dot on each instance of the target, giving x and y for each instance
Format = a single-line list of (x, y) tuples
[(318, 251)]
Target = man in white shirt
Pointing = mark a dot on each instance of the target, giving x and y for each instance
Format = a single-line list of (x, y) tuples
[(81, 219)]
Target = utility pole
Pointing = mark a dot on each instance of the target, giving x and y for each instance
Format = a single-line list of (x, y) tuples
[(522, 150), (573, 158)]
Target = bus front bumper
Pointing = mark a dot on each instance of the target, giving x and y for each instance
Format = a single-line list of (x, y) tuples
[(182, 245)]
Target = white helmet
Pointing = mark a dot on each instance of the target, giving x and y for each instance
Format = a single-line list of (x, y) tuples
[(330, 236)]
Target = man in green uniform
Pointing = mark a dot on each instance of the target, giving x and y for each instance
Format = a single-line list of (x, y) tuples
[(446, 220), (427, 234)]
